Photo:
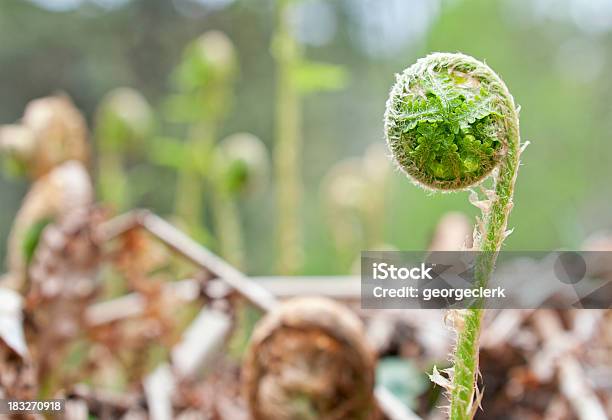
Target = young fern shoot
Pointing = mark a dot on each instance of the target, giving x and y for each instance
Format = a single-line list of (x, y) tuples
[(451, 123), (288, 148), (241, 168)]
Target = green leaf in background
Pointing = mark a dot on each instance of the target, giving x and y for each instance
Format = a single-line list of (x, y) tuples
[(402, 378), (313, 77)]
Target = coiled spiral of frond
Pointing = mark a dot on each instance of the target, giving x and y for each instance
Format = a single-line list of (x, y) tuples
[(449, 121)]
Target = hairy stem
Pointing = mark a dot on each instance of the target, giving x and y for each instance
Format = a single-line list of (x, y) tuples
[(490, 241), (288, 145), (465, 366)]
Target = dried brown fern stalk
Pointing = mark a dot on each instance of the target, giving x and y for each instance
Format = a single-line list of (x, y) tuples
[(62, 190), (17, 373), (51, 131), (62, 284), (309, 359)]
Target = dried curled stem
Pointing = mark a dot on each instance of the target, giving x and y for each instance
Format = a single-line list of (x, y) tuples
[(450, 123), (309, 359)]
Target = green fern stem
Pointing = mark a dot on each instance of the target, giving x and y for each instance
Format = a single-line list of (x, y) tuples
[(450, 123), (288, 145), (228, 228), (492, 236), (189, 199), (112, 179)]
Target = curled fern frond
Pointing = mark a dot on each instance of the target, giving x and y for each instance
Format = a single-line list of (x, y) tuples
[(210, 60), (124, 119), (448, 121)]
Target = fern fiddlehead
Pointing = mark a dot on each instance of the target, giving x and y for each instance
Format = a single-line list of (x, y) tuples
[(123, 120), (450, 123), (241, 167)]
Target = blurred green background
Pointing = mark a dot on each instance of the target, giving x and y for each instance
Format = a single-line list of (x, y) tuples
[(554, 55)]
